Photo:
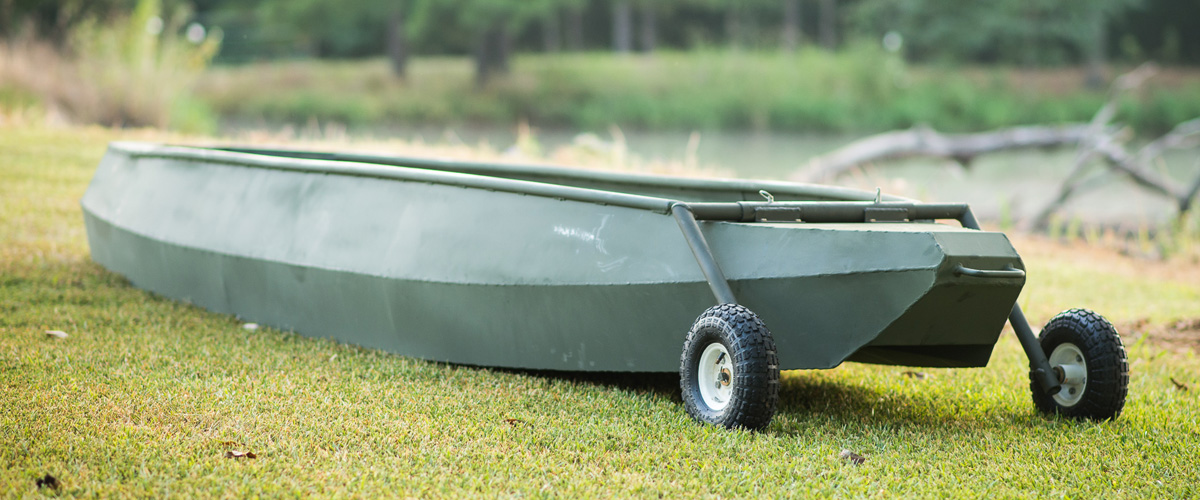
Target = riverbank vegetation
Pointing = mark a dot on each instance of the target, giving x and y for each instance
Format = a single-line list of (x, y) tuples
[(859, 90), (858, 68)]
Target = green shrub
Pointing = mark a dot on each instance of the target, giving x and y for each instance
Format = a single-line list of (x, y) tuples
[(860, 89), (132, 71)]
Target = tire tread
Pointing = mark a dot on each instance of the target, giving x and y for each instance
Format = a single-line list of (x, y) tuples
[(1108, 365), (756, 385)]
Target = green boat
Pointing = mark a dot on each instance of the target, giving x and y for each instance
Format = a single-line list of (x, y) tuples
[(535, 267)]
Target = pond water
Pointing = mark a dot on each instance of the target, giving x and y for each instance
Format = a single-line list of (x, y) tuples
[(1002, 185)]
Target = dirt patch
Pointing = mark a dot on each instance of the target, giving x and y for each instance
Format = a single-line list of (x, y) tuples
[(1183, 269), (1070, 80), (1178, 335)]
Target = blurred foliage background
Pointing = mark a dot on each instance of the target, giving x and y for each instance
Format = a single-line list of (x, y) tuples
[(847, 66)]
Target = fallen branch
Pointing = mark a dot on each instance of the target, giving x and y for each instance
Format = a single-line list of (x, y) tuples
[(1183, 136), (923, 141), (1121, 160), (1098, 142), (1192, 192), (1137, 167)]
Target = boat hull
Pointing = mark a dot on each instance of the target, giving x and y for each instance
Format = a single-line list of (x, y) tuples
[(450, 272)]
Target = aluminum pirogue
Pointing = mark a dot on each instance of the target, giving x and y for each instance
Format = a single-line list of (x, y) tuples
[(551, 268)]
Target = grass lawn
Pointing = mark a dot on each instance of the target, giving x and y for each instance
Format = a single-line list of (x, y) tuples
[(146, 396)]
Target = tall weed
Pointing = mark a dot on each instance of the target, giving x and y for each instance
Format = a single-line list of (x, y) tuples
[(132, 71)]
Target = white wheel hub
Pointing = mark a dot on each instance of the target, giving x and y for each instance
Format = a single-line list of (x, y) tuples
[(1071, 367), (715, 376)]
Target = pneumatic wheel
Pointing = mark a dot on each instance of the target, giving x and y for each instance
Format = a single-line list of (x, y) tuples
[(1086, 353), (729, 372)]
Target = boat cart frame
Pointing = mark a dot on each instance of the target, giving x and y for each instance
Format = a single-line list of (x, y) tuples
[(688, 216)]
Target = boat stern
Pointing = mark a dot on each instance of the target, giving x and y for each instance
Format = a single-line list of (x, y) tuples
[(957, 321)]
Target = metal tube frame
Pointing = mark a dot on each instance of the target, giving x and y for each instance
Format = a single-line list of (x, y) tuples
[(1039, 363), (702, 252), (687, 215)]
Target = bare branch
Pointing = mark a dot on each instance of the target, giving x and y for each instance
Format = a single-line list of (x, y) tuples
[(922, 141), (1133, 79), (1097, 139), (1184, 135), (1136, 167), (1118, 158), (1122, 84), (1069, 186), (1186, 202)]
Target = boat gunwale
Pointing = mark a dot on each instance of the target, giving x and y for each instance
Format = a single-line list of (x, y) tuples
[(443, 164), (483, 180)]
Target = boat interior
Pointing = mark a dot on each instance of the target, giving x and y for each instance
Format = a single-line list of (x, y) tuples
[(661, 186)]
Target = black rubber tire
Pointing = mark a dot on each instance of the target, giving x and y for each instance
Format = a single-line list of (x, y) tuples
[(1107, 365), (755, 395)]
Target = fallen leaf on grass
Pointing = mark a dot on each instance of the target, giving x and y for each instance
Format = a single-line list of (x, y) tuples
[(1179, 385), (240, 454), (231, 443), (47, 482), (852, 457), (56, 334), (514, 421), (916, 375), (1180, 334)]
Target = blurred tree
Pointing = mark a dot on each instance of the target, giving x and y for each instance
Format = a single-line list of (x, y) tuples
[(1166, 30), (574, 34), (648, 28), (1018, 31), (6, 17), (492, 23), (739, 17), (733, 23), (828, 24), (790, 35), (397, 40), (552, 31), (622, 26), (348, 28), (54, 19), (325, 29), (647, 12), (562, 24), (1029, 32)]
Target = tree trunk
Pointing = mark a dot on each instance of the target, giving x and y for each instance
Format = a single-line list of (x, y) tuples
[(5, 18), (575, 29), (791, 25), (397, 43), (649, 31), (551, 32), (1097, 39), (828, 24), (733, 25), (504, 48), (622, 26), (492, 53), (483, 64)]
